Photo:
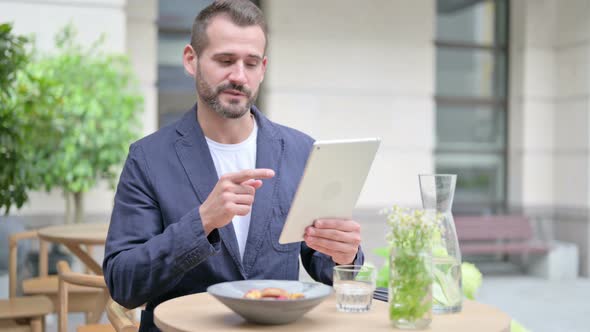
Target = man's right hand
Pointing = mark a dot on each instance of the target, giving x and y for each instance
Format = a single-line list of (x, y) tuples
[(233, 195)]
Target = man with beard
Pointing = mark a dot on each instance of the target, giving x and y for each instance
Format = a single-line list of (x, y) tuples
[(204, 200)]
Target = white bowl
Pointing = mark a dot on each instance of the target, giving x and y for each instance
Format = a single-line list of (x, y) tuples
[(269, 311)]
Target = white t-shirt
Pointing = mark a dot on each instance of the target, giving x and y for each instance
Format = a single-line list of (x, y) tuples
[(229, 158)]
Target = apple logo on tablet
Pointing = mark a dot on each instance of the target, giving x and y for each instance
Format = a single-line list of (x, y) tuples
[(331, 190)]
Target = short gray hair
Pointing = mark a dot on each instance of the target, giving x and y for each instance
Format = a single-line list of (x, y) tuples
[(243, 13)]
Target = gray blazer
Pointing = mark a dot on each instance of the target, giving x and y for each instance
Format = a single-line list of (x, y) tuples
[(156, 248)]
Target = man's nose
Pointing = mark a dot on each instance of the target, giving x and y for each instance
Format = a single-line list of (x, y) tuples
[(238, 74)]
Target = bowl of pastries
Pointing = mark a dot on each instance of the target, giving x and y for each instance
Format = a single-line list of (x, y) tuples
[(270, 302)]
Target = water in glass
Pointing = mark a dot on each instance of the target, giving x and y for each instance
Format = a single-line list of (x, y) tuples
[(446, 289), (353, 296)]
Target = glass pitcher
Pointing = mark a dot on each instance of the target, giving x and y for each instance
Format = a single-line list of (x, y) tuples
[(437, 191)]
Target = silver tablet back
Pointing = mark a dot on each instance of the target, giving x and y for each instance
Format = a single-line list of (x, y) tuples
[(331, 184)]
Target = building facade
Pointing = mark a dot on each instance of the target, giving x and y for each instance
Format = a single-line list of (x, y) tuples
[(497, 91)]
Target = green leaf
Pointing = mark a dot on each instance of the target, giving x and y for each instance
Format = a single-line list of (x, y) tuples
[(383, 275), (517, 327), (66, 118), (382, 252), (365, 271), (471, 278)]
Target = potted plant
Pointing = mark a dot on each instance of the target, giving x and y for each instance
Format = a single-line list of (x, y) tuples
[(91, 114), (66, 119), (15, 170), (21, 131)]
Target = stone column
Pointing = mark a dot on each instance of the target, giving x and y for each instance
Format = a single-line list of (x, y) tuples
[(531, 108), (346, 69), (142, 48), (45, 18), (549, 137), (572, 126)]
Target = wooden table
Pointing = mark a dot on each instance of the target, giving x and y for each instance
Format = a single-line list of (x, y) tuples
[(74, 236), (202, 312)]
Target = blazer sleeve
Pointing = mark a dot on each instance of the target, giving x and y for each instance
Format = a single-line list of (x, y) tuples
[(144, 259), (319, 266)]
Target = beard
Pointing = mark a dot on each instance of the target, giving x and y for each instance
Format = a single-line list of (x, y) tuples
[(210, 96)]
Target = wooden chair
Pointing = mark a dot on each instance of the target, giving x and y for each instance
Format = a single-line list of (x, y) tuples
[(118, 315), (82, 299), (24, 314)]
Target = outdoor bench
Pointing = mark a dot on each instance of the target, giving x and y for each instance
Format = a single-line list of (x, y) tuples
[(498, 234), (514, 235)]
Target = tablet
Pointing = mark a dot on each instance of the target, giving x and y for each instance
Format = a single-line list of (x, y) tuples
[(331, 184)]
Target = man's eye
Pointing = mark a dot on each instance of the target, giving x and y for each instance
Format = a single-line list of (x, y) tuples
[(251, 64)]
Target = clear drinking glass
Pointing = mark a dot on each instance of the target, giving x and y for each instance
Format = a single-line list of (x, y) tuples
[(354, 286), (437, 191)]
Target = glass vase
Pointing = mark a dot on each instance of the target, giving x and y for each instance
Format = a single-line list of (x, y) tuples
[(437, 191), (410, 288)]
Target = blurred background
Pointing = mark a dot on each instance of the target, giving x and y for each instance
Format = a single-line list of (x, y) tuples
[(495, 91)]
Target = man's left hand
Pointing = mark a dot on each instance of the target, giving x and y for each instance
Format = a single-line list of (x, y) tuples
[(337, 238)]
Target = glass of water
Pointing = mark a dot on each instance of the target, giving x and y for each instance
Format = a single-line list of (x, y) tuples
[(354, 286)]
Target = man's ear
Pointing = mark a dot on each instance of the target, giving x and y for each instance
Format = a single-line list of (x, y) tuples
[(264, 62), (189, 60)]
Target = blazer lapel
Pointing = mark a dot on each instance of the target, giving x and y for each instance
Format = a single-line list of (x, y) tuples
[(268, 155), (193, 152)]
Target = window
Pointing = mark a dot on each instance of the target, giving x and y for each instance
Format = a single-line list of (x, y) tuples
[(471, 100), (176, 89)]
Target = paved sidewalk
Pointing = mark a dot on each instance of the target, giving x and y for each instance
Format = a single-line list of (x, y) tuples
[(540, 305)]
